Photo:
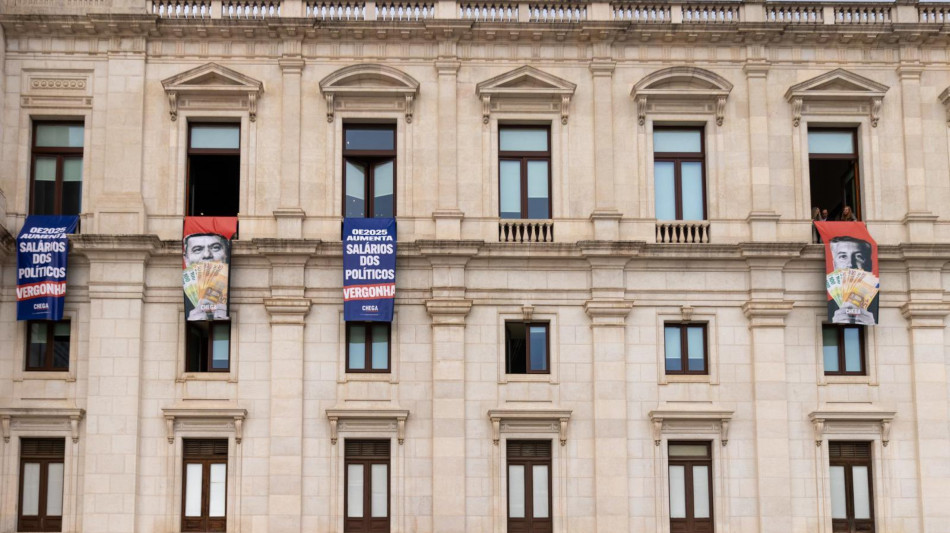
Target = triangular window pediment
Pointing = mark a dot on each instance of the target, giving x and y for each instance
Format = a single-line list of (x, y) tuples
[(212, 86), (838, 92), (526, 89), (682, 90), (369, 87)]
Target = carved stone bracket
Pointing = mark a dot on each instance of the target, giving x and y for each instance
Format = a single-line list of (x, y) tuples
[(367, 420), (945, 100), (838, 92), (218, 420), (41, 419), (851, 420), (690, 420), (510, 420), (526, 90)]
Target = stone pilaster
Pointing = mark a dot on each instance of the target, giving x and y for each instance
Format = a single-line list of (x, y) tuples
[(448, 217), (606, 217), (766, 311), (448, 308), (762, 217), (919, 220), (288, 309), (290, 215), (926, 313), (111, 474)]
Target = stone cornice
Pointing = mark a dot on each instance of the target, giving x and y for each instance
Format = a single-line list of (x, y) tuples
[(287, 310), (608, 312), (448, 311), (41, 418), (285, 247), (767, 313), (688, 419), (115, 247), (848, 419), (777, 250), (365, 418), (529, 420), (926, 314), (229, 419)]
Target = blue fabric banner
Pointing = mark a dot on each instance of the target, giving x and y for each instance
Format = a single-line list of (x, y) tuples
[(41, 252), (369, 269)]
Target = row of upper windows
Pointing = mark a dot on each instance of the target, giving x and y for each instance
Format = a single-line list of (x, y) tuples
[(369, 171), (527, 347), (367, 482)]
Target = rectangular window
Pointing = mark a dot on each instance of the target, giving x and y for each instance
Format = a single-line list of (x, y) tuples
[(369, 171), (41, 484), (526, 348), (529, 486), (214, 170), (367, 346), (852, 500), (685, 348), (679, 173), (833, 173), (56, 168), (208, 346), (204, 485), (366, 499), (524, 172), (47, 346), (691, 509), (843, 350)]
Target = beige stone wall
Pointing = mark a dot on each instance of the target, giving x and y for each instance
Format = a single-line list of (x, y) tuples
[(605, 285)]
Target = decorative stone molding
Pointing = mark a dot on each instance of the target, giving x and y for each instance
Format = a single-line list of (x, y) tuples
[(851, 419), (690, 419), (608, 312), (767, 313), (368, 420), (448, 311), (926, 314), (838, 92), (30, 419), (682, 90), (945, 100), (67, 88), (216, 420), (526, 90), (287, 310), (369, 87), (212, 87), (535, 420)]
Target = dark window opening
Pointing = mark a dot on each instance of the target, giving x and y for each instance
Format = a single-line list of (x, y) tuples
[(691, 501), (833, 173), (367, 480), (843, 350), (56, 168), (852, 487), (529, 486), (369, 171), (208, 346), (47, 345), (685, 348), (214, 170), (527, 348), (41, 484), (367, 346), (524, 172), (204, 485)]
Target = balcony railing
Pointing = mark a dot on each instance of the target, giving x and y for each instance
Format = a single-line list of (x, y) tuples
[(794, 14), (682, 232), (335, 10), (516, 230), (404, 11), (711, 14), (643, 13), (488, 12)]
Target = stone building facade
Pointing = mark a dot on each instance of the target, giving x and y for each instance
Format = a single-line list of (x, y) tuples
[(602, 272)]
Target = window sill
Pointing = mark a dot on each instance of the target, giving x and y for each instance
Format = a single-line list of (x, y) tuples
[(846, 380), (368, 376), (686, 378), (205, 376), (527, 378), (40, 375)]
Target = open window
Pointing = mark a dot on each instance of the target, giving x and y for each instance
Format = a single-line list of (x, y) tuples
[(526, 348), (833, 173), (214, 169), (369, 167), (208, 346)]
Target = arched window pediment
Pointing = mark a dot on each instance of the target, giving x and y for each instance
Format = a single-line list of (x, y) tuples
[(682, 90), (838, 92), (369, 87)]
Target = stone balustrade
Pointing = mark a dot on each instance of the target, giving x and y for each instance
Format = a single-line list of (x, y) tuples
[(682, 232), (510, 230)]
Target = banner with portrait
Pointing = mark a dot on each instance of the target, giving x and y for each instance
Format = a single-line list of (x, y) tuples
[(42, 250), (206, 259), (369, 269), (852, 279)]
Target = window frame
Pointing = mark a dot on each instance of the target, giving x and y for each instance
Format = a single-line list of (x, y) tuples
[(367, 461), (212, 325), (862, 346), (44, 460), (189, 151), (527, 347), (853, 157), (368, 343), (527, 524), (524, 157), (204, 522), (848, 464), (49, 358), (684, 349), (678, 158), (368, 159), (687, 524), (61, 153)]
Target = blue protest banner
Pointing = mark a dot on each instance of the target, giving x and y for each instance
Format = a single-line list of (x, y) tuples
[(42, 249), (369, 269)]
